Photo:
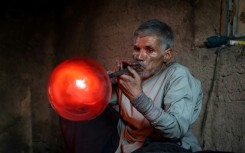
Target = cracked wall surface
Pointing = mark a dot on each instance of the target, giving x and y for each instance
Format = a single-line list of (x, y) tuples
[(225, 128)]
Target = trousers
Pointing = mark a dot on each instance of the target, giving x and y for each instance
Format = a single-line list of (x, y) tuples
[(98, 135)]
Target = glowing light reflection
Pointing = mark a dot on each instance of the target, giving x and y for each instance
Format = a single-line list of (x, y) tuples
[(81, 83)]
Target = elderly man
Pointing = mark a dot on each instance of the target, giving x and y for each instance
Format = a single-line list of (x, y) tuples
[(158, 102)]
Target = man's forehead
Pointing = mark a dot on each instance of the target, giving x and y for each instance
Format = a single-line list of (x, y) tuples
[(147, 40)]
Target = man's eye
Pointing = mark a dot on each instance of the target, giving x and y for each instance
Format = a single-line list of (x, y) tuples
[(136, 49), (150, 50)]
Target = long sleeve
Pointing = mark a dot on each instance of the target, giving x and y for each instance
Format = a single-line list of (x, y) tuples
[(180, 102)]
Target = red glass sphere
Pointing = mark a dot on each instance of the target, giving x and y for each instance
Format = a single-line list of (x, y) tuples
[(79, 89)]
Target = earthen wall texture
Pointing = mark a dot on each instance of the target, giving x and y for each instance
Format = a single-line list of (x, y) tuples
[(36, 36)]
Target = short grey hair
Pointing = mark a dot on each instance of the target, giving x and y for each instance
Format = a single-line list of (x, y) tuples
[(158, 28)]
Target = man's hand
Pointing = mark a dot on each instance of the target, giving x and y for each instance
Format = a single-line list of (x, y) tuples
[(131, 85), (116, 68)]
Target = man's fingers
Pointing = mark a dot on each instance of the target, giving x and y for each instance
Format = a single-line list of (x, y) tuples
[(125, 77), (133, 72)]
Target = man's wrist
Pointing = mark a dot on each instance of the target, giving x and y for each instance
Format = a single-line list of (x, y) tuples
[(141, 103), (145, 106), (138, 97)]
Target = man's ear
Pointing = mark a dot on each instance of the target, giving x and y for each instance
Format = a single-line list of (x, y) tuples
[(167, 55)]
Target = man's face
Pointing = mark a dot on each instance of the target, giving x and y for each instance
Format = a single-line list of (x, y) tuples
[(147, 51)]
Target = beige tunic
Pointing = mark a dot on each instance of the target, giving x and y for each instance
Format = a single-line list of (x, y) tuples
[(182, 96)]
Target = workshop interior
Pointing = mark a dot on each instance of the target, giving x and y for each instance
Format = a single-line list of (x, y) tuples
[(38, 36)]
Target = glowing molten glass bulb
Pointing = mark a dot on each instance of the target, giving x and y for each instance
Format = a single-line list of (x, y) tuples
[(79, 89)]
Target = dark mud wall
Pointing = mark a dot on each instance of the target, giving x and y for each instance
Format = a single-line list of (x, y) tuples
[(36, 36), (27, 56)]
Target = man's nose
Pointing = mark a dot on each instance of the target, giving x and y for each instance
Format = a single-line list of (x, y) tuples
[(141, 55)]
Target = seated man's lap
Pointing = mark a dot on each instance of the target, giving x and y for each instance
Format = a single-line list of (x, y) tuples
[(97, 135), (161, 147)]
